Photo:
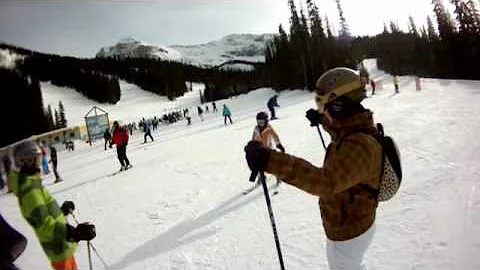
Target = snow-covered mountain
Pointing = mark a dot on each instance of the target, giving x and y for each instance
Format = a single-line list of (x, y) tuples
[(129, 47), (247, 47)]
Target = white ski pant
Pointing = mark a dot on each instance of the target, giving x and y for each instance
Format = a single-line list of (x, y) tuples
[(348, 255)]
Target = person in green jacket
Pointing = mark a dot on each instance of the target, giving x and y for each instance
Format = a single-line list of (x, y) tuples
[(226, 114), (57, 238)]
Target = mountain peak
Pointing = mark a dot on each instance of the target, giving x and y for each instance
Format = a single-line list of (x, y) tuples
[(248, 47)]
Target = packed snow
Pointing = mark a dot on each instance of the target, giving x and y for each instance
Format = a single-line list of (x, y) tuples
[(181, 207)]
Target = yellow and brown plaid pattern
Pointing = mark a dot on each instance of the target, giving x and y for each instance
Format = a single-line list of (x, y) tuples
[(347, 209)]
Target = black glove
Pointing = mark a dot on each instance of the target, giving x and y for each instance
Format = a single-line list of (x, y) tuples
[(67, 207), (314, 117), (83, 232), (281, 148), (257, 156)]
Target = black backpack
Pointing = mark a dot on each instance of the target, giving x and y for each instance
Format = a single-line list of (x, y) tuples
[(391, 175)]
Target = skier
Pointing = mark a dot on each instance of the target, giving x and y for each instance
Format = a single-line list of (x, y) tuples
[(395, 83), (53, 160), (12, 245), (57, 238), (265, 134), (120, 139), (45, 168), (107, 137), (271, 104), (372, 84), (226, 114), (187, 116), (200, 112), (214, 106), (147, 130), (350, 174)]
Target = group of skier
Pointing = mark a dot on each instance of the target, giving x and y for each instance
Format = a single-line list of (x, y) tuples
[(344, 184)]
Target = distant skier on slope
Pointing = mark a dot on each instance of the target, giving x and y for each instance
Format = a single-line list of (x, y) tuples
[(120, 139), (107, 137), (226, 114), (265, 134), (147, 131), (271, 104)]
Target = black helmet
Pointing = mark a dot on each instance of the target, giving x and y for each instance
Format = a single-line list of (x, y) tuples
[(262, 116)]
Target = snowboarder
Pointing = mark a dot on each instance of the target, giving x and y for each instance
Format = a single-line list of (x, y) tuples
[(348, 181), (148, 132), (53, 160), (57, 238), (265, 134), (271, 104), (120, 139), (226, 114), (107, 137)]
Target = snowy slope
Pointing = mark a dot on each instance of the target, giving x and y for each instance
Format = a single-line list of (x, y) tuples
[(180, 206), (235, 46), (134, 104)]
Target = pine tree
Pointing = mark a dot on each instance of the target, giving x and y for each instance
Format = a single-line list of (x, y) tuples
[(394, 28), (61, 111), (317, 48), (329, 28), (445, 24), (412, 28), (432, 34), (385, 29), (57, 120), (49, 115), (344, 29)]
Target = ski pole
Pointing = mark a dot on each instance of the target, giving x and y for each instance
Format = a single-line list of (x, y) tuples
[(321, 137), (272, 219), (90, 246), (89, 255)]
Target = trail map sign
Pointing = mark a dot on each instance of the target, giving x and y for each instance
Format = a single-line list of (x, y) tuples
[(96, 121)]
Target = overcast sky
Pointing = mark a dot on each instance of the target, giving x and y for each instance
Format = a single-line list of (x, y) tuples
[(80, 28)]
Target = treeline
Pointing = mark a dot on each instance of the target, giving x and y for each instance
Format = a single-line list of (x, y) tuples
[(26, 115), (168, 78), (70, 72), (452, 50), (97, 78), (297, 59)]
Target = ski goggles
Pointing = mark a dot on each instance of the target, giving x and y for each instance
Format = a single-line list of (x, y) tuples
[(322, 100), (261, 122)]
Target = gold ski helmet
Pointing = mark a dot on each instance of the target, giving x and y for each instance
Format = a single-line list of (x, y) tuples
[(336, 82)]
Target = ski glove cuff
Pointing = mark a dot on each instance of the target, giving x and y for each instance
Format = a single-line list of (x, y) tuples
[(257, 156), (67, 207)]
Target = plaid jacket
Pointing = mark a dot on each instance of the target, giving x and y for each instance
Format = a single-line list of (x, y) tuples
[(347, 209)]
